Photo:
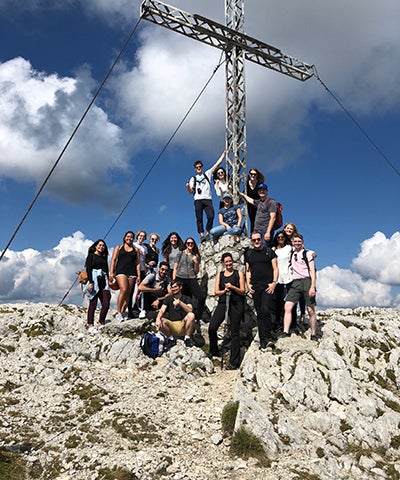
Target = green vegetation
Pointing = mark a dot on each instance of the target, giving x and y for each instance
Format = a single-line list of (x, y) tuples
[(245, 444), (228, 417)]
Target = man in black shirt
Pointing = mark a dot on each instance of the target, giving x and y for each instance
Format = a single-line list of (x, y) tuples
[(261, 279), (181, 319)]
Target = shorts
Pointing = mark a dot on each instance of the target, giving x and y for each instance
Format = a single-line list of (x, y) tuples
[(176, 327), (300, 287)]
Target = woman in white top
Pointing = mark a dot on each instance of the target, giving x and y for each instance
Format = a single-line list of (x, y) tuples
[(220, 184), (283, 250)]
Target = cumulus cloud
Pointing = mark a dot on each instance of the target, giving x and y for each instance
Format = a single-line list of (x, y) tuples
[(379, 259), (35, 276), (359, 65), (38, 113), (343, 288)]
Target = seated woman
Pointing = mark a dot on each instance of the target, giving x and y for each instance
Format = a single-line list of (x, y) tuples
[(229, 217)]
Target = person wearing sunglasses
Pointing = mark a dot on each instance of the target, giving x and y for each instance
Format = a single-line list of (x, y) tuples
[(186, 268), (261, 278), (155, 287), (254, 178), (200, 187), (152, 253)]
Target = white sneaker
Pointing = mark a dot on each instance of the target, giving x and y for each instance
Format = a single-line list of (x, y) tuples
[(93, 330), (119, 317), (142, 314)]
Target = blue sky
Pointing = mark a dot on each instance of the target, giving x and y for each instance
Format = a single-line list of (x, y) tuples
[(332, 183)]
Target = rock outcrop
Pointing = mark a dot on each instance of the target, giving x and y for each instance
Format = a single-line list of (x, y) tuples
[(82, 407)]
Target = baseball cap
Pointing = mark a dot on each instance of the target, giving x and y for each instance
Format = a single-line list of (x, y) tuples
[(262, 185)]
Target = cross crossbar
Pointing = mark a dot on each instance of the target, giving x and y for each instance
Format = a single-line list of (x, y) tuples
[(222, 37)]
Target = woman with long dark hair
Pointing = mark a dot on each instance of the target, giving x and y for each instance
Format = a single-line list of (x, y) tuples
[(171, 246), (230, 288), (125, 270), (254, 178), (97, 287)]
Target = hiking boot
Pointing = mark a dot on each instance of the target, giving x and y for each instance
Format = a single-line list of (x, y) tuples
[(171, 342), (315, 338), (284, 335), (231, 367), (188, 342)]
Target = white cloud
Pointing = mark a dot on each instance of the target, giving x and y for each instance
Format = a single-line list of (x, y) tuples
[(379, 259), (338, 287), (38, 113)]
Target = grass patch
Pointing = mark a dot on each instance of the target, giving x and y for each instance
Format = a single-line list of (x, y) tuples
[(245, 444), (228, 417), (117, 473)]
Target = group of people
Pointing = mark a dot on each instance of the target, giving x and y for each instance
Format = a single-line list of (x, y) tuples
[(278, 272)]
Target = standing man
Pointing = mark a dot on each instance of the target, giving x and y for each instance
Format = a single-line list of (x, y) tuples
[(200, 186), (180, 318), (261, 279), (265, 213), (304, 278)]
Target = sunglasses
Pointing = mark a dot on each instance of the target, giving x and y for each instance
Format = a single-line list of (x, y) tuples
[(189, 243)]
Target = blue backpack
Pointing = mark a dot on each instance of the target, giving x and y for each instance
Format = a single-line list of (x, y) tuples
[(153, 344)]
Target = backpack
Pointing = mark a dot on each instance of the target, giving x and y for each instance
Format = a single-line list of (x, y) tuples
[(195, 183), (82, 277), (279, 218), (304, 258), (153, 344)]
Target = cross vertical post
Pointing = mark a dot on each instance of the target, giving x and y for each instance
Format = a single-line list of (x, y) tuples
[(235, 103), (238, 47)]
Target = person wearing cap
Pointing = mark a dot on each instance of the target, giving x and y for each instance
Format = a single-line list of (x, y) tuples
[(265, 214), (200, 187), (229, 218)]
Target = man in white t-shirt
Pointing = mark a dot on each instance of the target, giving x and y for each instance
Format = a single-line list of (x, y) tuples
[(200, 186), (304, 278)]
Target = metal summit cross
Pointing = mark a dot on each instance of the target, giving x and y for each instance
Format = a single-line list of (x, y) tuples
[(238, 47)]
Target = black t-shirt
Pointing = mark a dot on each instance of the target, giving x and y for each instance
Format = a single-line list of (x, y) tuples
[(176, 313), (260, 266)]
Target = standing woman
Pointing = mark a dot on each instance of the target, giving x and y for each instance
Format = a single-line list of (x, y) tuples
[(220, 185), (141, 236), (125, 269), (97, 287), (171, 246), (152, 253), (186, 268), (229, 286), (290, 230), (254, 178), (283, 250)]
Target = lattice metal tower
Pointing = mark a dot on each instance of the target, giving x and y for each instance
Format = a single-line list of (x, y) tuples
[(238, 47)]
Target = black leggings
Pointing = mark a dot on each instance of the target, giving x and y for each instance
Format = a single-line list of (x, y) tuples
[(235, 315)]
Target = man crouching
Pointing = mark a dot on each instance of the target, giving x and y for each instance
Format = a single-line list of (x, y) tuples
[(179, 318)]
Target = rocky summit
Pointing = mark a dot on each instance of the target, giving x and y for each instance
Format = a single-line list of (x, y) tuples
[(94, 407)]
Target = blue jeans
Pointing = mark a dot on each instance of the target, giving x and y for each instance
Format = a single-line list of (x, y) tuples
[(221, 230)]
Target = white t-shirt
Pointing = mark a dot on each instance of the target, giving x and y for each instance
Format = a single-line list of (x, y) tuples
[(285, 271), (201, 186)]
